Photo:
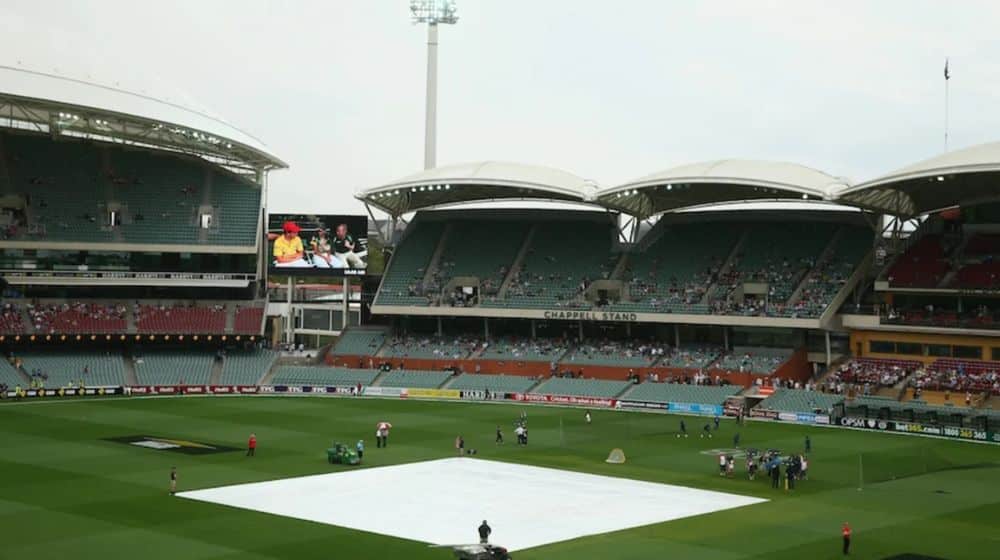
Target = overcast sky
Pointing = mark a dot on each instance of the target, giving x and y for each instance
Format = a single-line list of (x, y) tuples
[(610, 90)]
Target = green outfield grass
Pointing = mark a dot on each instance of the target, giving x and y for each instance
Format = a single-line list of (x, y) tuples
[(68, 492)]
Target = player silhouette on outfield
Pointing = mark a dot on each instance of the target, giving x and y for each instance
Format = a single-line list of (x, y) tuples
[(708, 430), (684, 429), (845, 532), (499, 440), (173, 480)]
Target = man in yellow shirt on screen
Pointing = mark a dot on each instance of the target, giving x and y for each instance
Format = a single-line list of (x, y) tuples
[(288, 251)]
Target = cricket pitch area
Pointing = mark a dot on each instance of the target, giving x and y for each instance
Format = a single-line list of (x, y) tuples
[(443, 501)]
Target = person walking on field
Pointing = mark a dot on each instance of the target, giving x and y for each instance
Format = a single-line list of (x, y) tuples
[(845, 532), (252, 446), (484, 533), (173, 480)]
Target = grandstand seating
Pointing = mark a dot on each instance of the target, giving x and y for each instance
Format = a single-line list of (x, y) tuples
[(455, 348), (9, 376), (248, 320), (246, 367), (960, 375), (598, 388), (759, 361), (174, 368), (323, 376), (924, 264), (796, 400), (160, 194), (78, 317), (564, 256), (831, 273), (180, 319), (492, 383), (59, 369), (483, 249), (675, 271), (695, 357), (523, 350), (11, 320), (359, 342), (607, 352), (874, 371), (682, 393), (421, 379), (779, 255), (403, 282)]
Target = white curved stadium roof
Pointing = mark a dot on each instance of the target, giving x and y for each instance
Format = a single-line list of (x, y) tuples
[(477, 181), (965, 176), (27, 85), (719, 182)]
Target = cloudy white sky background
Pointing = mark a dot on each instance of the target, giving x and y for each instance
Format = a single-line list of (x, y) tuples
[(610, 90)]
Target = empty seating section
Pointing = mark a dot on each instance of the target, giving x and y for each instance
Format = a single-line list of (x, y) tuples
[(403, 283), (11, 320), (419, 379), (874, 371), (78, 317), (681, 393), (481, 249), (827, 278), (564, 257), (173, 368), (924, 264), (523, 350), (756, 360), (58, 369), (359, 342), (694, 357), (323, 376), (607, 352), (796, 400), (675, 271), (599, 388), (69, 187), (778, 255), (248, 320), (246, 367), (454, 348), (180, 319), (492, 383), (9, 376)]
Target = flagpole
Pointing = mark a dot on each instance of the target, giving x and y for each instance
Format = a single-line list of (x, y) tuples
[(947, 80)]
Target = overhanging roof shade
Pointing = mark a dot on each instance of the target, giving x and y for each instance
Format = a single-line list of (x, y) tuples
[(961, 177), (471, 182), (41, 98), (717, 182)]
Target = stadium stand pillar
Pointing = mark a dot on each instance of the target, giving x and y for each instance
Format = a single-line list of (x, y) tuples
[(345, 293), (533, 329), (828, 357), (440, 330), (677, 335), (486, 328)]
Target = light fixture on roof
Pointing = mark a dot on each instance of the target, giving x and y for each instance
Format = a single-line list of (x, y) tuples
[(670, 187), (805, 197), (940, 178), (413, 189), (396, 191), (447, 187)]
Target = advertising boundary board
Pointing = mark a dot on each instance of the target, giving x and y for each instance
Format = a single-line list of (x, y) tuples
[(63, 392), (855, 423)]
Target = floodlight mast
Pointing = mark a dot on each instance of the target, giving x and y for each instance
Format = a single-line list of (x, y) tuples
[(432, 12)]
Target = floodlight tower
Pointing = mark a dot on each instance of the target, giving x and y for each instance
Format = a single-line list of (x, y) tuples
[(432, 12)]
